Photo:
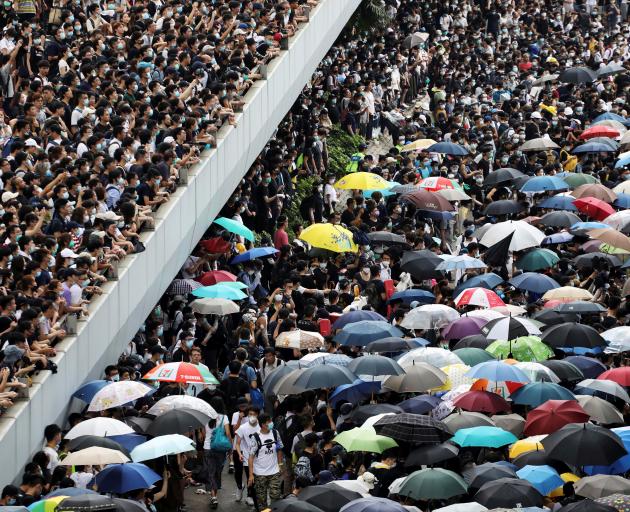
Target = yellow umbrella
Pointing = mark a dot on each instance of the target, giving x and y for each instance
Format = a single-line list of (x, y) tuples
[(567, 477), (456, 374), (417, 145), (528, 444), (567, 292), (609, 249), (329, 236), (362, 181)]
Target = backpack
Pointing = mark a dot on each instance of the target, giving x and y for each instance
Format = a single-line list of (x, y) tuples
[(288, 432), (259, 443), (219, 442), (256, 398), (303, 468), (299, 448)]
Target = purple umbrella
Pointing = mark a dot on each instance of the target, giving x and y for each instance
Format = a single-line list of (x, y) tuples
[(464, 326)]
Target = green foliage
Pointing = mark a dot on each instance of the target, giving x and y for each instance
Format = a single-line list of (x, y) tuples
[(341, 145), (303, 188), (259, 235), (369, 17)]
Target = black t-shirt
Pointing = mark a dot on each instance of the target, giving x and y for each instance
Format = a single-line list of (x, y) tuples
[(233, 388), (145, 194)]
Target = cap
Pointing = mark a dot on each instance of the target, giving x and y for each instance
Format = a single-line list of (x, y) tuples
[(108, 216), (8, 196), (68, 253), (168, 140), (31, 143), (536, 115), (369, 479)]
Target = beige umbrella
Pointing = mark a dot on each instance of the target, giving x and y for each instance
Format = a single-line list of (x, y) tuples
[(539, 144), (611, 123), (171, 402), (419, 377), (510, 310), (600, 410), (596, 190), (212, 306), (545, 78), (599, 486), (611, 237), (465, 419), (453, 194), (511, 422), (94, 456), (302, 340), (417, 145), (568, 293), (625, 139)]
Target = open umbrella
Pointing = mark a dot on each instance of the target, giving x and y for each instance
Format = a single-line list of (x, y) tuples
[(365, 412), (217, 276), (94, 456), (478, 297), (431, 454), (324, 376), (87, 391), (619, 375), (413, 40), (574, 180), (524, 348), (122, 478), (417, 145), (375, 365), (118, 394), (577, 75), (301, 340), (395, 344), (534, 282), (524, 235), (508, 493), (435, 356), (599, 410), (329, 498), (177, 421), (124, 505), (553, 415), (421, 264), (584, 444), (503, 175), (87, 441), (618, 502), (594, 208), (559, 219), (433, 484), (448, 148), (488, 437), (170, 444), (544, 478), (182, 286), (87, 502), (386, 238), (588, 505), (612, 237), (429, 316), (558, 202), (538, 144), (413, 295), (252, 254), (481, 401), (599, 131), (369, 504), (605, 389), (356, 392), (497, 371), (290, 504), (363, 332), (571, 334), (420, 404), (364, 439), (171, 402), (537, 372), (412, 428), (423, 199), (513, 423), (465, 420), (461, 262), (362, 181), (509, 328), (418, 377), (489, 281), (474, 341), (211, 306), (219, 291), (536, 393), (567, 293), (589, 367), (435, 183), (537, 259), (100, 426), (488, 472), (600, 486), (181, 372), (235, 227), (503, 207), (472, 356), (544, 184), (580, 307)]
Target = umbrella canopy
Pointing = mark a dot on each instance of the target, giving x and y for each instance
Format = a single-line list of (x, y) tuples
[(217, 276), (481, 401), (488, 437), (603, 388), (365, 412), (171, 402), (584, 444), (537, 259), (386, 238), (362, 181), (538, 372), (553, 415), (577, 75), (177, 421), (83, 442), (594, 208), (511, 422), (433, 484), (599, 131), (478, 297), (122, 478), (364, 439), (525, 348), (559, 219), (252, 254), (472, 356), (420, 404), (161, 446), (589, 367), (412, 428), (86, 502), (431, 454), (619, 375), (544, 184), (538, 144), (375, 365), (233, 226), (588, 505), (181, 372), (292, 505), (95, 455), (182, 286), (489, 280), (329, 497), (509, 492), (509, 328), (395, 344), (413, 295), (87, 391), (571, 334), (211, 306), (558, 202), (417, 145), (354, 393), (435, 356), (411, 41), (574, 180), (100, 427), (417, 378), (503, 207), (461, 262), (465, 420), (567, 293), (612, 237), (426, 200), (580, 307), (524, 235), (363, 332), (536, 393), (600, 486), (369, 504), (475, 341), (534, 282), (544, 478), (435, 183), (488, 472), (219, 291), (618, 339), (448, 148), (618, 502), (331, 237), (421, 264), (323, 376), (599, 410), (503, 175), (301, 340), (118, 394), (429, 316), (497, 371), (124, 505)]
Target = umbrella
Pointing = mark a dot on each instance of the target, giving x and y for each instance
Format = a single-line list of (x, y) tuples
[(570, 334), (418, 377), (500, 176), (558, 202), (589, 367), (417, 145), (603, 388), (461, 262), (580, 307), (596, 145), (513, 423), (395, 344), (435, 183), (364, 439), (546, 78), (412, 428), (467, 420), (474, 341), (588, 505), (448, 148), (559, 219), (94, 456), (421, 264), (435, 356), (216, 277), (611, 237), (537, 259), (118, 394), (610, 69), (558, 238), (591, 260), (544, 478), (252, 254), (420, 404), (177, 421), (211, 306), (594, 208), (386, 238), (462, 507), (45, 505), (509, 328), (122, 478), (363, 412), (599, 410), (171, 402), (464, 326), (550, 317), (290, 504), (534, 282), (324, 376), (525, 348), (509, 492), (454, 194), (356, 316), (618, 502), (375, 365), (553, 415), (235, 227), (369, 504), (544, 184), (87, 441), (478, 297), (497, 371), (313, 358), (219, 291), (503, 207), (86, 502), (181, 372), (456, 377), (574, 180), (583, 444), (487, 437), (100, 426), (329, 498), (538, 144), (301, 340), (524, 235), (354, 393), (87, 391), (567, 293), (124, 505), (472, 356), (537, 372), (481, 401), (488, 472), (423, 199), (161, 446), (619, 375), (577, 75), (363, 332), (362, 181), (182, 286), (431, 454), (413, 40), (599, 131), (413, 295), (66, 492), (429, 316), (433, 484), (489, 280), (600, 486), (536, 393)]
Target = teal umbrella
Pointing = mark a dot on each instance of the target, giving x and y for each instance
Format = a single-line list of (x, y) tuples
[(433, 484), (219, 291), (161, 446), (235, 227), (487, 437), (537, 259), (237, 285), (473, 356)]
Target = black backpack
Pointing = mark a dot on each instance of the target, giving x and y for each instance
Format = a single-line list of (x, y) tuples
[(259, 443), (288, 432)]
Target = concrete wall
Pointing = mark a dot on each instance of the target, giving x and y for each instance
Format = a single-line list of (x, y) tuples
[(116, 316)]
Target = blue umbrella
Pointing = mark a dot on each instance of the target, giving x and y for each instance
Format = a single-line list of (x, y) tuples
[(420, 404), (586, 226), (591, 368), (369, 504), (544, 183), (252, 254), (544, 478), (557, 238), (622, 162), (448, 148), (87, 391), (362, 333), (413, 294), (122, 478), (497, 371), (484, 436), (356, 392), (384, 192), (507, 464), (610, 116), (622, 201), (533, 282), (69, 491), (356, 316), (594, 147), (219, 291), (129, 441), (559, 203), (489, 281), (461, 262), (621, 465), (538, 393)]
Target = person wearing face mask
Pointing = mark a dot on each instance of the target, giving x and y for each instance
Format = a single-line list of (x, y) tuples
[(9, 496), (265, 462), (385, 268), (156, 358), (245, 424), (187, 341)]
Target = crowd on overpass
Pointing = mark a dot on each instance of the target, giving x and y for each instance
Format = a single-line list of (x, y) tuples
[(482, 218)]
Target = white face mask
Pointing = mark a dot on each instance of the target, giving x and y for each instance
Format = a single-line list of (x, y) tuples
[(365, 270), (253, 420), (385, 264)]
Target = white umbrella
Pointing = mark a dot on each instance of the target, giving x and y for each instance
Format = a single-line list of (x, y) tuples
[(609, 387), (372, 420), (624, 186), (94, 456), (434, 356), (214, 306), (618, 339), (183, 402), (461, 262), (429, 316), (100, 427), (161, 446), (510, 310), (524, 235), (619, 220), (462, 507), (117, 394), (538, 372), (394, 487), (486, 314), (505, 328), (454, 194)]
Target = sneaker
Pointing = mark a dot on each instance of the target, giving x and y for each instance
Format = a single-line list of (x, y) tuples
[(231, 468), (214, 502), (249, 501), (238, 494)]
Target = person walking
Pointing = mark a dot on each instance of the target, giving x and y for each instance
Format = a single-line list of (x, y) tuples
[(217, 444), (265, 462)]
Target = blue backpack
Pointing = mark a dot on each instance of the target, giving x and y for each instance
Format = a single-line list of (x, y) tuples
[(219, 441), (257, 398)]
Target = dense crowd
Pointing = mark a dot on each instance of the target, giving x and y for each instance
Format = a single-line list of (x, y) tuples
[(494, 136)]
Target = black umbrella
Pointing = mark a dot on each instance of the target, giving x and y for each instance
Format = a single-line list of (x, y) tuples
[(577, 75), (363, 412), (497, 255), (488, 472), (559, 219), (539, 458), (503, 207), (504, 175), (473, 341), (421, 264), (412, 428), (177, 421), (391, 344), (274, 377), (564, 370), (293, 505), (431, 454), (329, 497), (87, 503), (82, 442), (584, 444), (592, 258), (550, 317), (587, 505), (386, 237), (509, 493), (139, 423), (610, 69), (581, 307), (571, 334), (128, 505)]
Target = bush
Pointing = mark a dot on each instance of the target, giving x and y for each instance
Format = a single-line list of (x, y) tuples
[(341, 145)]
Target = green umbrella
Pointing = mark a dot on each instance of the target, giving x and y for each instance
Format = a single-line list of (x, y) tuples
[(574, 180), (537, 259), (364, 439), (433, 484), (235, 227), (524, 349), (472, 356)]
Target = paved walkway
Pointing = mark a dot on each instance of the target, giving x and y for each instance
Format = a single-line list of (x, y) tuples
[(227, 503)]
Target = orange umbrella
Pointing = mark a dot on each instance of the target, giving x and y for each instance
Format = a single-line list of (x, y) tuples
[(599, 131)]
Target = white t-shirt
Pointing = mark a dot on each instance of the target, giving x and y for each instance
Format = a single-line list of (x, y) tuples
[(222, 421), (243, 432), (266, 462), (53, 458), (81, 479)]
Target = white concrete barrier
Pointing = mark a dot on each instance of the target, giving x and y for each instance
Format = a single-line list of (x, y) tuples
[(116, 315)]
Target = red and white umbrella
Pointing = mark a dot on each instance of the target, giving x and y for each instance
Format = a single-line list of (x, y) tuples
[(478, 297), (436, 183), (181, 372)]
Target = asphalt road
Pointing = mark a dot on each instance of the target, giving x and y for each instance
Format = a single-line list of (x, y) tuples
[(197, 503)]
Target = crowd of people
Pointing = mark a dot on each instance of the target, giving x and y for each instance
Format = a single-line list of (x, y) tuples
[(494, 138)]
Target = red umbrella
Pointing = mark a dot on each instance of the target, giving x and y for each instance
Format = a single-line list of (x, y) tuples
[(620, 375), (217, 276), (216, 245), (553, 415), (594, 208), (481, 401), (478, 297), (426, 200), (599, 131)]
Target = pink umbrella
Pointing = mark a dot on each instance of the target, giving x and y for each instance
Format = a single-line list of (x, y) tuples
[(464, 326), (478, 297)]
